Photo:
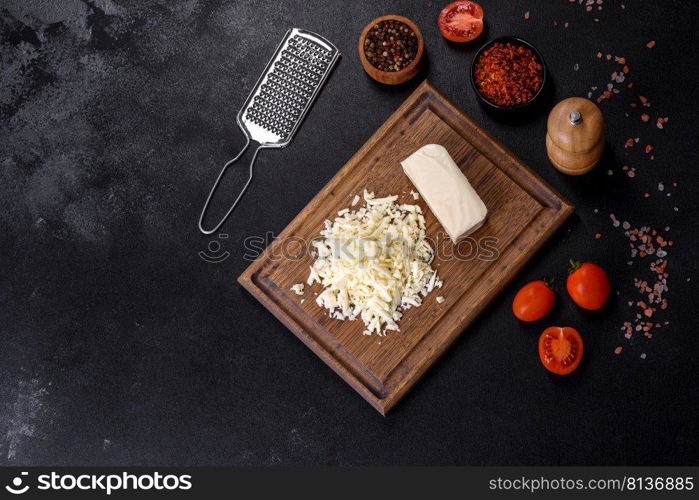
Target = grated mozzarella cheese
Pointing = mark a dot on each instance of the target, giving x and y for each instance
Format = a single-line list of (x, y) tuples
[(374, 263)]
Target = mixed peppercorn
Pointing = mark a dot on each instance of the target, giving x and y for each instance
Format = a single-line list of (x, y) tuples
[(390, 45), (508, 74)]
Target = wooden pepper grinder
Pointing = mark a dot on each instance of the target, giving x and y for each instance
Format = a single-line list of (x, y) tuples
[(575, 136)]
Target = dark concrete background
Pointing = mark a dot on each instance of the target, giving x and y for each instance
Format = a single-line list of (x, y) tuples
[(119, 345)]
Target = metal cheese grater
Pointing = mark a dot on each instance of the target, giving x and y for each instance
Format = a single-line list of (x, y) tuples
[(280, 100)]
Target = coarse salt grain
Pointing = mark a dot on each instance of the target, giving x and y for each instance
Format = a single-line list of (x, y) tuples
[(644, 242)]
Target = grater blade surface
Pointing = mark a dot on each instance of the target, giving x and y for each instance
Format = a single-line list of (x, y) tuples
[(278, 103), (287, 88)]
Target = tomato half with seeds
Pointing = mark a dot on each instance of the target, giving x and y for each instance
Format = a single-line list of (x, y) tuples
[(533, 301), (588, 285), (461, 21), (560, 349)]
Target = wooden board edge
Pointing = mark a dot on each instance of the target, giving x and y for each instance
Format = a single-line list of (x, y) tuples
[(246, 281), (505, 151), (346, 167), (564, 210), (420, 369)]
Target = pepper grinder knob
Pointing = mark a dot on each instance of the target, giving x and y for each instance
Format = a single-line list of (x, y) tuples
[(575, 117)]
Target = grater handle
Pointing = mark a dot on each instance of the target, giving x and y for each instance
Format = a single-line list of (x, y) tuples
[(218, 181)]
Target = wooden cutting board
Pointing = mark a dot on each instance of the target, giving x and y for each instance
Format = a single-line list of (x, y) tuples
[(523, 213)]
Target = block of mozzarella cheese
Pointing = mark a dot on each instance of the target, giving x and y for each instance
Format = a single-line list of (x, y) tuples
[(446, 190)]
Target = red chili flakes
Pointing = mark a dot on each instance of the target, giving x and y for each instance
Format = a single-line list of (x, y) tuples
[(508, 74), (651, 44), (660, 122), (629, 143), (648, 148)]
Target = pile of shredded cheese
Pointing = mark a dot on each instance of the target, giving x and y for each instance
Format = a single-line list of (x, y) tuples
[(373, 263)]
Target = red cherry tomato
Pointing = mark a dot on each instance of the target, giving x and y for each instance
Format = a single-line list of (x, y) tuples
[(588, 285), (533, 301), (560, 349), (461, 21)]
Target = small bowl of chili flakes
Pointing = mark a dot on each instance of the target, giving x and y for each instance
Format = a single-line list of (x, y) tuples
[(391, 49), (508, 74)]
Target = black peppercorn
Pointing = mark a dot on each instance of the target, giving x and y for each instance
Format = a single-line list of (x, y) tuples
[(399, 44)]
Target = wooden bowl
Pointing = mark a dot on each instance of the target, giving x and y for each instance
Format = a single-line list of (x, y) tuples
[(392, 77)]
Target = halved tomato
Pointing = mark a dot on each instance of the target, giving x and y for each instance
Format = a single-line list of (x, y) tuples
[(560, 349), (461, 21)]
